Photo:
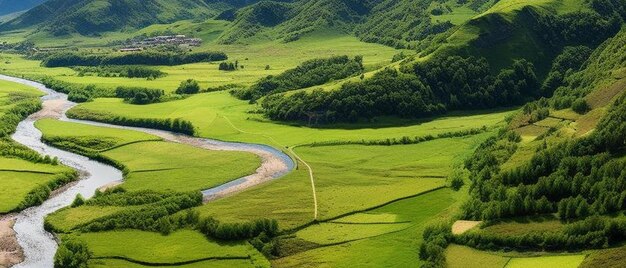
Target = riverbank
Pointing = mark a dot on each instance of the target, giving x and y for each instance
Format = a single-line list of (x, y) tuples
[(10, 251)]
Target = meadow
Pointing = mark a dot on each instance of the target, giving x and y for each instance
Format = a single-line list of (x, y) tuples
[(156, 165), (461, 256), (179, 247), (361, 240)]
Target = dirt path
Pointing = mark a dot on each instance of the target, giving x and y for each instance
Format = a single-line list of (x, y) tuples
[(460, 227)]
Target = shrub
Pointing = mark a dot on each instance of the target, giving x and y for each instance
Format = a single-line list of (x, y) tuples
[(580, 106), (78, 201), (139, 95), (72, 254), (189, 86)]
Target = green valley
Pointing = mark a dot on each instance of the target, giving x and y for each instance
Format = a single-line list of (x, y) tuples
[(312, 133)]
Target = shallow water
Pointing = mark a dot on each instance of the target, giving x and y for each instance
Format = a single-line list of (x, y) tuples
[(40, 246)]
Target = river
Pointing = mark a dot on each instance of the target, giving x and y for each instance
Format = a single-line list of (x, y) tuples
[(40, 246)]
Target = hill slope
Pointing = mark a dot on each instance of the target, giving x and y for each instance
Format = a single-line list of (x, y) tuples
[(12, 6), (94, 16)]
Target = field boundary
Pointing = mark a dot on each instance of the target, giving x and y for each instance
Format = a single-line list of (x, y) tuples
[(156, 264)]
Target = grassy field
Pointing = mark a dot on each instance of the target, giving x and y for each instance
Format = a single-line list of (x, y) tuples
[(367, 244), (571, 261), (523, 226), (180, 246), (347, 181), (158, 165), (462, 256), (254, 57), (613, 257), (18, 177), (219, 115)]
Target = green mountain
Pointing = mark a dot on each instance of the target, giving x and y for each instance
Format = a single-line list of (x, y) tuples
[(89, 17), (13, 6), (398, 23)]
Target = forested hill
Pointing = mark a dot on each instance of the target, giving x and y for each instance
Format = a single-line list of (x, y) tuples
[(508, 55), (11, 6), (398, 23), (90, 17)]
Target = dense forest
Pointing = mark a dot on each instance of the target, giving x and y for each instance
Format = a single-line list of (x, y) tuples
[(428, 89), (580, 180)]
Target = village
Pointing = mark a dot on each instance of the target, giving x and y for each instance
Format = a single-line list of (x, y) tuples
[(177, 40)]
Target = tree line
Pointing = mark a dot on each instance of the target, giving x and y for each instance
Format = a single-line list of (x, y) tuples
[(139, 95), (66, 59), (428, 89), (120, 71), (309, 73), (176, 125)]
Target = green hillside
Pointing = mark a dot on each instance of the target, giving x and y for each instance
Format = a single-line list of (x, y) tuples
[(90, 17), (9, 6)]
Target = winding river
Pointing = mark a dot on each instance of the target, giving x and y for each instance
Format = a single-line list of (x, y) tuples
[(40, 246)]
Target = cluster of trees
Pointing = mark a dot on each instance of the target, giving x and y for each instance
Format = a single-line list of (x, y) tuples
[(120, 71), (429, 89), (310, 73), (139, 95), (575, 178), (148, 217), (75, 92), (238, 231), (177, 125), (404, 140), (72, 253), (141, 58), (436, 238), (594, 232), (189, 86), (23, 107), (41, 193), (228, 66)]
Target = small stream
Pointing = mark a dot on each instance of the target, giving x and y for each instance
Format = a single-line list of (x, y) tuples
[(40, 246)]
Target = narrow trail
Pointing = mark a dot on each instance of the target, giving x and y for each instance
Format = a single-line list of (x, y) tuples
[(315, 214), (38, 245)]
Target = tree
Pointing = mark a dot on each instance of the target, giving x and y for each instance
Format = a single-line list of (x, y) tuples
[(580, 106), (78, 201), (456, 179), (72, 254), (189, 86)]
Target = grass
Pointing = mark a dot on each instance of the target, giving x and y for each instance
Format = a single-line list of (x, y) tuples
[(570, 261), (462, 256), (378, 246), (254, 57), (348, 178), (110, 263), (16, 185), (614, 257), (157, 165), (69, 218), (117, 137), (180, 246), (215, 114), (523, 226)]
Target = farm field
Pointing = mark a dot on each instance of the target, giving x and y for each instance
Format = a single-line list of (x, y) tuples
[(179, 247), (221, 116), (348, 241), (461, 256), (156, 165), (342, 134)]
